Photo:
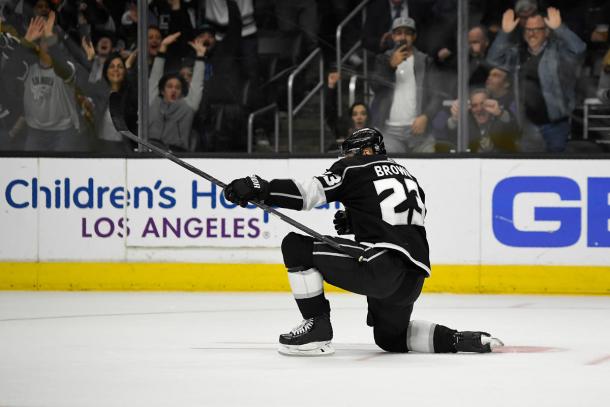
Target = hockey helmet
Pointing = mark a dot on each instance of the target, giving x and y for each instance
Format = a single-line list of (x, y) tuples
[(362, 138)]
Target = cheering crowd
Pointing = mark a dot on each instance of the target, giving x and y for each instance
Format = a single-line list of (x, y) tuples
[(532, 64)]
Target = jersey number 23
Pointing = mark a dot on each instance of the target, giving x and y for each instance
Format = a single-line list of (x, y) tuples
[(400, 202)]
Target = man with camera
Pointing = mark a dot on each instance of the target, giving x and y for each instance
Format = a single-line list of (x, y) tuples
[(404, 104)]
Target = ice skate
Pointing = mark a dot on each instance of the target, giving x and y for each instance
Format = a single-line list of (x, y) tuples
[(310, 338), (479, 342)]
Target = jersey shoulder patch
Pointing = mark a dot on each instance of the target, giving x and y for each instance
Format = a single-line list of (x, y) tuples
[(329, 179), (332, 176)]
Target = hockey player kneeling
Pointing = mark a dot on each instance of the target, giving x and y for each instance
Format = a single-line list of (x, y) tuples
[(385, 210)]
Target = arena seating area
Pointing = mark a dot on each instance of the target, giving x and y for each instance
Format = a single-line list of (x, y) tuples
[(274, 76)]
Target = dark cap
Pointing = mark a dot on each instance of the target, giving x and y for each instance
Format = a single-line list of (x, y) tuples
[(205, 28), (504, 68), (98, 35)]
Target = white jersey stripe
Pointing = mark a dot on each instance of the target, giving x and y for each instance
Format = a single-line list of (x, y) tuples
[(367, 259), (386, 245), (332, 254), (312, 193), (406, 253), (342, 244), (286, 195)]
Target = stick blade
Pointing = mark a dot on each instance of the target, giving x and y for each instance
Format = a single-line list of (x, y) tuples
[(115, 106)]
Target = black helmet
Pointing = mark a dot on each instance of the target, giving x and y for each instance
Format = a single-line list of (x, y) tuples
[(360, 139)]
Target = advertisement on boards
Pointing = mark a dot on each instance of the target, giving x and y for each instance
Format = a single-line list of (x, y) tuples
[(545, 212), (117, 210), (478, 211), (172, 207)]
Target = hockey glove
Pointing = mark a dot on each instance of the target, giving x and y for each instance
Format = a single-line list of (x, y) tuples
[(342, 223), (242, 190)]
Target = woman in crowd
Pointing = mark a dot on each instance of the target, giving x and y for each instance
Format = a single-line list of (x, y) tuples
[(173, 102), (92, 97), (115, 75), (357, 117)]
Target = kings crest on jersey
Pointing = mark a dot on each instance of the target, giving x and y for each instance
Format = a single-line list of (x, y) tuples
[(385, 203)]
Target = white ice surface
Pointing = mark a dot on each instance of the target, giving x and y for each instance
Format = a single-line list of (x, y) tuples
[(206, 349)]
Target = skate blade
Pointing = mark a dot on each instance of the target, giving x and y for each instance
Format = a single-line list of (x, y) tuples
[(493, 342), (309, 349)]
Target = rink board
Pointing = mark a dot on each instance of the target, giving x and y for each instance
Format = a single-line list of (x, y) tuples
[(588, 280), (514, 226)]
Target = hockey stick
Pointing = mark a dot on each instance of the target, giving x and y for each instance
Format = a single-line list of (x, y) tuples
[(118, 119)]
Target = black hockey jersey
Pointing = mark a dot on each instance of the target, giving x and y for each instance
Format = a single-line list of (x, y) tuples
[(385, 203)]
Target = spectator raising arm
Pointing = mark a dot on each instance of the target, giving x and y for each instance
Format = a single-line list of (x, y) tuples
[(330, 104), (23, 53), (193, 99), (159, 66), (502, 51), (62, 67), (572, 43)]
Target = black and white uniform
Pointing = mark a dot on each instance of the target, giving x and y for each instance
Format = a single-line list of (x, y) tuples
[(386, 207)]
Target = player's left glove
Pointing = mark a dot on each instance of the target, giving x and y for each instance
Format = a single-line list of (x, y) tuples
[(242, 190), (342, 223)]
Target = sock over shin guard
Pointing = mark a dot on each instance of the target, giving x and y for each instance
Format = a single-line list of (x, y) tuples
[(305, 280), (428, 337), (308, 290)]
